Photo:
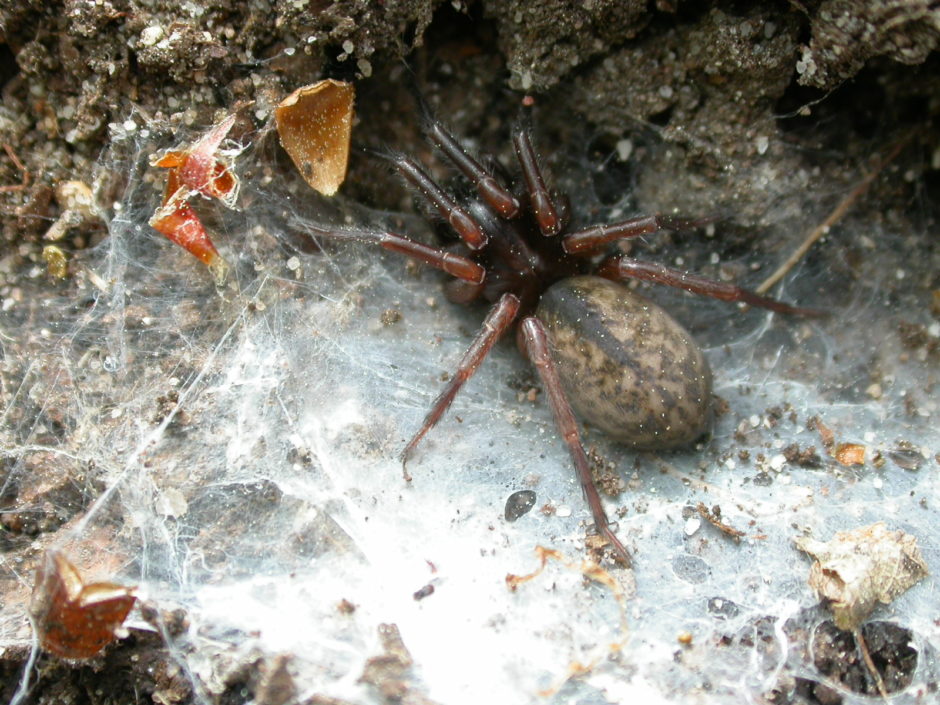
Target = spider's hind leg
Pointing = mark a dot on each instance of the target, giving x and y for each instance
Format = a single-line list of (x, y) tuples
[(620, 268), (539, 353)]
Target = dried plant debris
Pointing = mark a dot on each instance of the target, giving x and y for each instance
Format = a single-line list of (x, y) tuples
[(314, 124), (57, 264), (859, 569), (78, 207), (713, 517), (277, 685), (74, 619), (389, 672), (850, 454), (197, 169), (594, 573)]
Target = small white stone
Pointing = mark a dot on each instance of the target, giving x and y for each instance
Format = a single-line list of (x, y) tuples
[(762, 144), (624, 149), (778, 461), (878, 483), (563, 510), (151, 35), (692, 524)]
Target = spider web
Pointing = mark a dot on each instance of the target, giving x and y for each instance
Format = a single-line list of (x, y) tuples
[(234, 453)]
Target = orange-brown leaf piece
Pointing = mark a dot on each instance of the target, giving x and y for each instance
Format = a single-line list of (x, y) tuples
[(179, 223), (74, 619), (314, 124), (850, 454), (200, 169), (196, 169)]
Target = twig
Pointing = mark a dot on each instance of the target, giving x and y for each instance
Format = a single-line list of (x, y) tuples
[(714, 519), (834, 217), (866, 657), (24, 181)]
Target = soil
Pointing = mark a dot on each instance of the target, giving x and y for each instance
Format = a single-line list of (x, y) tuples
[(722, 108)]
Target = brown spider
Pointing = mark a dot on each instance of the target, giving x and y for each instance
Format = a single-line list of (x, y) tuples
[(617, 359)]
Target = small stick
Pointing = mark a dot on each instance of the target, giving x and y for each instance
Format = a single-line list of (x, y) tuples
[(866, 657), (833, 218), (715, 520), (24, 183)]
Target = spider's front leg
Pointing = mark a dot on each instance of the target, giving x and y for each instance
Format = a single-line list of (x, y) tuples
[(463, 268), (497, 321), (539, 353)]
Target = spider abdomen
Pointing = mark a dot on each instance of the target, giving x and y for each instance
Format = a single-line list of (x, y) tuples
[(627, 367)]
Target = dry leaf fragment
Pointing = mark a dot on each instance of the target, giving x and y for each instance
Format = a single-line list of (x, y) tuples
[(850, 454), (201, 169), (314, 124), (56, 262), (858, 569), (197, 169), (75, 619), (77, 204), (179, 223)]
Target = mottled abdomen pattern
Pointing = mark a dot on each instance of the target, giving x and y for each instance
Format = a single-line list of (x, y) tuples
[(628, 368)]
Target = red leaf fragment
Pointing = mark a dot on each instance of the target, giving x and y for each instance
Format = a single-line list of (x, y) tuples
[(203, 171), (197, 169), (74, 619), (180, 224)]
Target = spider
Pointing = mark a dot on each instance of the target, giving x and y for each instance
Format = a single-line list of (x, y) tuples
[(603, 352)]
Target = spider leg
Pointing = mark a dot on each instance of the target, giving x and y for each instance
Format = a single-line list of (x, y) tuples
[(546, 215), (494, 194), (466, 227), (454, 264), (620, 268), (497, 321), (588, 240), (538, 351)]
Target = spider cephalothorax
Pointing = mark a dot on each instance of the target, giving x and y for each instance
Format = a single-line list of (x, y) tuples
[(616, 359)]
